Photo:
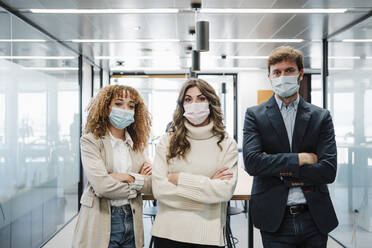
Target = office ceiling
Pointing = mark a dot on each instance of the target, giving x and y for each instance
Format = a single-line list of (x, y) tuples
[(311, 28)]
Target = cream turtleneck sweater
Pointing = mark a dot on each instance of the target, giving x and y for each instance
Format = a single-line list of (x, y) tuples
[(194, 211)]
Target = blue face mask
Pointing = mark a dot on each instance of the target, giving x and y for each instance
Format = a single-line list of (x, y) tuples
[(120, 118), (285, 86)]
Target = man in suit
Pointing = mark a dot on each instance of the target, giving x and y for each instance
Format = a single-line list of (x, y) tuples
[(289, 147)]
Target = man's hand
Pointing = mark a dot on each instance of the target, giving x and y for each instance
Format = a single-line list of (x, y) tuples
[(123, 177), (146, 169), (173, 178), (307, 158), (222, 174)]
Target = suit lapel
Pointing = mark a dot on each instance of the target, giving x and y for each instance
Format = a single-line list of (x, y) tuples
[(276, 120), (302, 120), (109, 154)]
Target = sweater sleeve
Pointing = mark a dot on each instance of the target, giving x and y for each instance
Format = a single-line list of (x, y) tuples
[(205, 190), (94, 167), (164, 191)]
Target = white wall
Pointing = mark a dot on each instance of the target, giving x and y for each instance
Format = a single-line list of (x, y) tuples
[(248, 85)]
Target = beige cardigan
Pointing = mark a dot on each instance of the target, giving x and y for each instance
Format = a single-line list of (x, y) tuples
[(94, 221), (194, 211)]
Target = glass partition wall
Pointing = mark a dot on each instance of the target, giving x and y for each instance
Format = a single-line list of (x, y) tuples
[(39, 134), (350, 103)]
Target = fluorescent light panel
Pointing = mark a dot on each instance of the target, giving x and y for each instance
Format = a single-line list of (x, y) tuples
[(357, 40), (118, 68), (272, 11), (51, 68), (178, 40), (343, 57), (22, 40), (122, 40), (245, 57), (104, 11), (258, 40), (203, 10), (39, 57)]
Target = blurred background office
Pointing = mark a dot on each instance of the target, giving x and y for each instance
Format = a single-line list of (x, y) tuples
[(56, 55)]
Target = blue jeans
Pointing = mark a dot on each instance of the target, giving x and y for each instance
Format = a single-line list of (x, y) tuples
[(122, 234), (296, 231)]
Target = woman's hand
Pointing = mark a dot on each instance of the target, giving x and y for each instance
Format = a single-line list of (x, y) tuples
[(123, 177), (173, 178), (146, 169), (222, 174)]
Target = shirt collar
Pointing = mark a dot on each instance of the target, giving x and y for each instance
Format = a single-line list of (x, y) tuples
[(116, 141), (281, 104)]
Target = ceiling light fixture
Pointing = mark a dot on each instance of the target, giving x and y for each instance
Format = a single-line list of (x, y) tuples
[(357, 40), (122, 57), (105, 11), (343, 57), (122, 40), (39, 57), (22, 40), (272, 11), (51, 68), (258, 40), (246, 57)]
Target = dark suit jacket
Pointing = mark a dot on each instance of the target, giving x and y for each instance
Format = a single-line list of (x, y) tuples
[(278, 170)]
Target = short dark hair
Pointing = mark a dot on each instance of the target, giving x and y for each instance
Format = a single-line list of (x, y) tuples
[(286, 53)]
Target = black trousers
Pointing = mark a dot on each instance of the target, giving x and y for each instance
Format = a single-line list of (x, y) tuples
[(167, 243), (296, 231)]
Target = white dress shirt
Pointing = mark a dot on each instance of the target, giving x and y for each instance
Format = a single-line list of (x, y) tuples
[(122, 163)]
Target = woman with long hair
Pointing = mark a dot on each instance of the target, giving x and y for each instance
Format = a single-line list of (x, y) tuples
[(194, 172), (117, 170)]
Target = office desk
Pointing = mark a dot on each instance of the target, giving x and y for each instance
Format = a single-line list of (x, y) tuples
[(242, 193)]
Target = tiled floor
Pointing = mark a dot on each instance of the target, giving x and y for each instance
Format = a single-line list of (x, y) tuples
[(239, 228)]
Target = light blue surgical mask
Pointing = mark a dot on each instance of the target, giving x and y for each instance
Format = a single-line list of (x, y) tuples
[(285, 86), (120, 118)]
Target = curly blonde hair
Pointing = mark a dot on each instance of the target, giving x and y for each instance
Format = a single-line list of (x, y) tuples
[(179, 146), (98, 115)]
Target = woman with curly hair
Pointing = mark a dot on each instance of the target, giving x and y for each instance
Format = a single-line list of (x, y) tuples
[(194, 172), (117, 170)]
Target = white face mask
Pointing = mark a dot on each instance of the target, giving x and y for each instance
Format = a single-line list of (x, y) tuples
[(196, 113), (285, 86)]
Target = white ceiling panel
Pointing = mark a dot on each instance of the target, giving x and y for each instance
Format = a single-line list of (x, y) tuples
[(309, 27)]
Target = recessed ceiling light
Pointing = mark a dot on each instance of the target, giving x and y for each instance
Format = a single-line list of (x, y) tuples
[(22, 40), (343, 57), (259, 40), (51, 68), (272, 11), (122, 57), (39, 57), (357, 40), (105, 11), (122, 40), (246, 57)]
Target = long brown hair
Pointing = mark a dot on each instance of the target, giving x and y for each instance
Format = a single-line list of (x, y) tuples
[(179, 146), (98, 116)]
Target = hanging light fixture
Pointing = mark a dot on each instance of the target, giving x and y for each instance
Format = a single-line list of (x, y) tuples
[(202, 36), (195, 61)]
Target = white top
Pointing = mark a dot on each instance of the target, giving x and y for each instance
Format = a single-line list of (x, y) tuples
[(122, 163), (194, 211)]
